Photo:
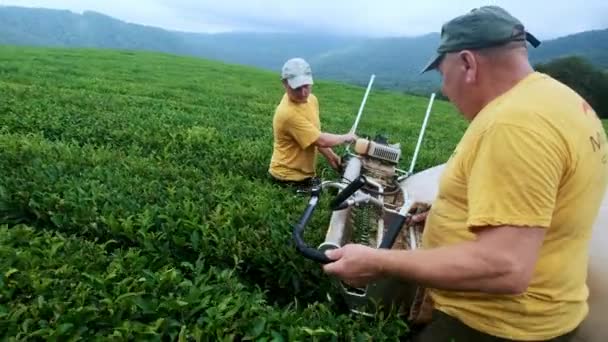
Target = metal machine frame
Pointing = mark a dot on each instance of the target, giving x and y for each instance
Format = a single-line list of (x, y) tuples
[(371, 185)]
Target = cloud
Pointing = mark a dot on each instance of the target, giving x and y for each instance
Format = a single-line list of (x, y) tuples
[(547, 19)]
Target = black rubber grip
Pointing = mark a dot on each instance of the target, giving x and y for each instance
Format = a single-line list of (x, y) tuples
[(298, 231), (392, 232), (349, 190)]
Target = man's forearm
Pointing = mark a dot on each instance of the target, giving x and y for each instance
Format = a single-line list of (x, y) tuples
[(462, 267), (326, 151), (330, 139), (331, 156)]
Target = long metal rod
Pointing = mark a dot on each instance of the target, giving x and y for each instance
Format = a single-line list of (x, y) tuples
[(426, 118), (369, 86)]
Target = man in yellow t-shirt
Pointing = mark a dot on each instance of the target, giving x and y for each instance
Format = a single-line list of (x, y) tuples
[(297, 129), (505, 246)]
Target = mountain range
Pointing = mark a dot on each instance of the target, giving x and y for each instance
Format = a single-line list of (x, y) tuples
[(395, 61)]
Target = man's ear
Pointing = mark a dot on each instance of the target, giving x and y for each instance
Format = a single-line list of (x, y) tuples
[(469, 65)]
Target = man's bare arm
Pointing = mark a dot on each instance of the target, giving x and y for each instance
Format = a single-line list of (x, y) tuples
[(501, 260), (330, 139), (332, 158)]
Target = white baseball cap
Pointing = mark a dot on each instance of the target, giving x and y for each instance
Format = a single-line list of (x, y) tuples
[(297, 72)]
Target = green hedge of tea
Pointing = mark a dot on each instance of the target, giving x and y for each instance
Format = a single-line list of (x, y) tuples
[(135, 204)]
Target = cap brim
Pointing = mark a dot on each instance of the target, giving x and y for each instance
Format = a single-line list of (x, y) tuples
[(299, 81), (433, 63)]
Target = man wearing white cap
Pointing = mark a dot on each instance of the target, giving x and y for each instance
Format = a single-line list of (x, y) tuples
[(297, 129)]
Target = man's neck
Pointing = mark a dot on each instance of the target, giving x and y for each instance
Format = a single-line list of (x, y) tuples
[(296, 103)]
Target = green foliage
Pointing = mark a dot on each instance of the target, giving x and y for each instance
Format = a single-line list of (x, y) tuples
[(135, 204), (396, 61), (59, 287), (590, 82), (590, 45)]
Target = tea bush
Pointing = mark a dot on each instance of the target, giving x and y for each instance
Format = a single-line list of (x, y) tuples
[(134, 200)]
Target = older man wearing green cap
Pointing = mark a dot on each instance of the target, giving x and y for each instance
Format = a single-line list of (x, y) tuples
[(505, 244)]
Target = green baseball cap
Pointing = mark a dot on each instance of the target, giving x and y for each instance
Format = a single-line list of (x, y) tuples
[(482, 27)]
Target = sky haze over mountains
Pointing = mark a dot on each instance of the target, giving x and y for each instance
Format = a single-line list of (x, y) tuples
[(379, 18), (396, 61)]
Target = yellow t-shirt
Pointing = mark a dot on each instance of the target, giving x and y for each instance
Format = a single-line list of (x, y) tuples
[(296, 127), (535, 156)]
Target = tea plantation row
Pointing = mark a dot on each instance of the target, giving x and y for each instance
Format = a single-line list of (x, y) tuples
[(134, 201)]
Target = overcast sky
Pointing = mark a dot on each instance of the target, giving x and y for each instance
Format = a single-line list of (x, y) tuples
[(544, 18)]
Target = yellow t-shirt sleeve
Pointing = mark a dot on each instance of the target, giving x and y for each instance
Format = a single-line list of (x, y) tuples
[(302, 130), (514, 177)]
